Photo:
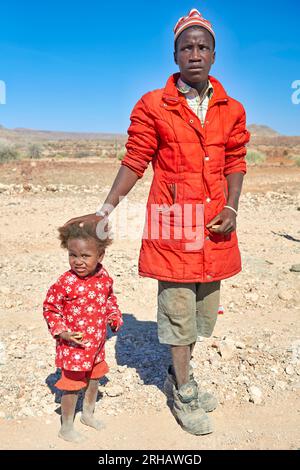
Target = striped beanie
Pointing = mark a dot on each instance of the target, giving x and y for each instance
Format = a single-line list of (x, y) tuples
[(194, 18)]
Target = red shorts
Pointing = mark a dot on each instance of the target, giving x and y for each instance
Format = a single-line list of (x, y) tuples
[(76, 380)]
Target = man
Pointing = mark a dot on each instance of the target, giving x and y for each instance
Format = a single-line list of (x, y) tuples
[(194, 135)]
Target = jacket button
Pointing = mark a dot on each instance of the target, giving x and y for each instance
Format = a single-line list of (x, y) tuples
[(208, 200), (209, 276), (207, 238), (165, 104), (207, 158), (191, 121)]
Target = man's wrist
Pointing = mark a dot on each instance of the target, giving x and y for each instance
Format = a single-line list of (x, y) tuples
[(231, 208), (102, 213)]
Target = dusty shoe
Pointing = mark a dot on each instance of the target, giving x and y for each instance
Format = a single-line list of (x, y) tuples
[(208, 402), (187, 411)]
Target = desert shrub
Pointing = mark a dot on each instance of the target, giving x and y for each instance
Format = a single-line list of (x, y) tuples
[(8, 152), (34, 151), (121, 154), (296, 159), (255, 157), (82, 154)]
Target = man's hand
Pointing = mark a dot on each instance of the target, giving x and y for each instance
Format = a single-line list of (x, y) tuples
[(224, 223), (74, 336), (91, 219)]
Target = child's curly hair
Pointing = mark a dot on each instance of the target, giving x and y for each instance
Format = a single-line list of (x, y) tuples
[(71, 231)]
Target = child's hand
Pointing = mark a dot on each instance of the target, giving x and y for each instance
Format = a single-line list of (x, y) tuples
[(115, 322), (75, 337)]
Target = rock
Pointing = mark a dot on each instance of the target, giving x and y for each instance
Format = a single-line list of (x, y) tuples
[(240, 345), (255, 394), (252, 297), (290, 370), (4, 290), (51, 187), (251, 361), (295, 268), (27, 411), (227, 349), (2, 354), (114, 390), (286, 294)]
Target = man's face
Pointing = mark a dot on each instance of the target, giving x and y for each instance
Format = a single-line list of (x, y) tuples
[(194, 54)]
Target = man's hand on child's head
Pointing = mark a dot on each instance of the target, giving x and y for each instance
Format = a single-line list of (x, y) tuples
[(115, 322), (75, 337)]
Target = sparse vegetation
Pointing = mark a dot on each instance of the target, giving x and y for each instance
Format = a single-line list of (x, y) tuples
[(255, 157), (8, 152), (82, 154), (35, 151), (121, 154), (296, 159)]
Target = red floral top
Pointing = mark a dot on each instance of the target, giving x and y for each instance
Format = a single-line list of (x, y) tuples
[(85, 305)]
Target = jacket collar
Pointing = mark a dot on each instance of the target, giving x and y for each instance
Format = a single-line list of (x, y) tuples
[(172, 96)]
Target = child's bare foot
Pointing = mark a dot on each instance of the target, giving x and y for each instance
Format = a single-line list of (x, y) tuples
[(70, 435), (89, 420)]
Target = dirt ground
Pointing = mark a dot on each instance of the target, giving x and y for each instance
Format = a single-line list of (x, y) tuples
[(261, 317)]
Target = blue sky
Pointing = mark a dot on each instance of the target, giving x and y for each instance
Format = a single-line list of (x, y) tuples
[(81, 66)]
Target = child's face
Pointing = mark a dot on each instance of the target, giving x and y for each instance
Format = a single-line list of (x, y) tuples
[(84, 255)]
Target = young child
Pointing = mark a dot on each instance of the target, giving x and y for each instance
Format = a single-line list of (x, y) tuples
[(77, 309)]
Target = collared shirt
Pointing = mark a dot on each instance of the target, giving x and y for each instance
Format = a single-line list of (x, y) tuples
[(199, 105), (80, 304)]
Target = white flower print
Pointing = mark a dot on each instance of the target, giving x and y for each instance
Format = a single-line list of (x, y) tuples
[(90, 330), (66, 352), (100, 299), (70, 280), (91, 294), (68, 289), (81, 288), (87, 365), (51, 298), (69, 318)]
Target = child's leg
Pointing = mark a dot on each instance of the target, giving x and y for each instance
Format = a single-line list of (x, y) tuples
[(87, 416), (68, 405)]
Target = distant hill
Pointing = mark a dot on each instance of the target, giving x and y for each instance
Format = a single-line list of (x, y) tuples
[(262, 131), (21, 133)]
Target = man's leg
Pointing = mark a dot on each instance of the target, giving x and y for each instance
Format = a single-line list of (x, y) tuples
[(181, 363), (177, 327)]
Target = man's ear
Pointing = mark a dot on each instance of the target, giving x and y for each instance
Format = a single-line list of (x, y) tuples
[(175, 57), (214, 57)]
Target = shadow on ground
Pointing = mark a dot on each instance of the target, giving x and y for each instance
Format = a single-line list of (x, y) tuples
[(138, 348)]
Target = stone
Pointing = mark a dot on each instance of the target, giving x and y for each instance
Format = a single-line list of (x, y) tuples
[(227, 349), (290, 370), (240, 345), (286, 295), (5, 290), (295, 268), (114, 390), (255, 395)]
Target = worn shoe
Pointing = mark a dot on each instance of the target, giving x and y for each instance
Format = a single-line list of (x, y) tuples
[(187, 411), (207, 401)]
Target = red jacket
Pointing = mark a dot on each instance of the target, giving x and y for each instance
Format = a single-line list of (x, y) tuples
[(190, 164)]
